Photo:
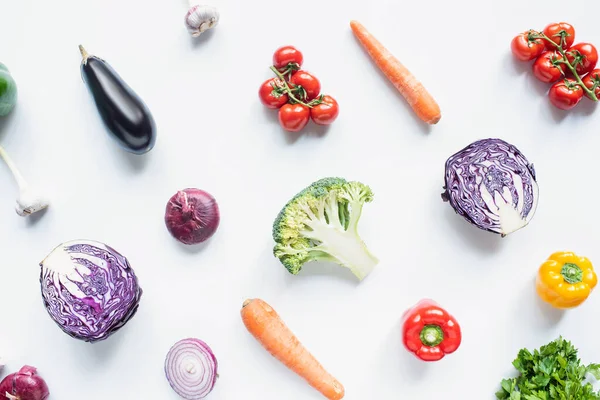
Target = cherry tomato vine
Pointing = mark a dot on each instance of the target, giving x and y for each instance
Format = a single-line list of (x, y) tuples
[(296, 93), (555, 57)]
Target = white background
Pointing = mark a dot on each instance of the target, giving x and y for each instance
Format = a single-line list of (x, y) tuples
[(215, 135)]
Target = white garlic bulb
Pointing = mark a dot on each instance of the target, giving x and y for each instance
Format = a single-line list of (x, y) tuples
[(200, 18), (30, 202)]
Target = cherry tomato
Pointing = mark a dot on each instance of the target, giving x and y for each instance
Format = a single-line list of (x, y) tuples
[(592, 78), (588, 55), (287, 55), (547, 69), (326, 112), (553, 31), (268, 95), (565, 94), (525, 47), (293, 117), (308, 82)]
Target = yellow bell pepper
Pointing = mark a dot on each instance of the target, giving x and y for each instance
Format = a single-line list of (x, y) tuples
[(565, 280)]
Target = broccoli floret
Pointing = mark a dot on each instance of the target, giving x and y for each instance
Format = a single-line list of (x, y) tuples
[(320, 224)]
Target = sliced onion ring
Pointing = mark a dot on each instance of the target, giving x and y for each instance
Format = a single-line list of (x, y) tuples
[(191, 368)]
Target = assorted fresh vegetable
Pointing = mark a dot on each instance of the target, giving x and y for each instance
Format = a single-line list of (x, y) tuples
[(191, 369), (192, 216), (565, 280), (267, 327), (8, 91), (429, 331), (321, 224), (491, 184), (296, 93), (89, 289), (552, 372), (124, 114), (200, 18), (422, 103), (558, 60), (24, 385)]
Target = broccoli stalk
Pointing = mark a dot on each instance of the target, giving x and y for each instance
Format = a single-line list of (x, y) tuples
[(321, 224)]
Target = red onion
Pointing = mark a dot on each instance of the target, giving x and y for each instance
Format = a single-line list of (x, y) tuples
[(192, 216), (24, 385), (191, 369)]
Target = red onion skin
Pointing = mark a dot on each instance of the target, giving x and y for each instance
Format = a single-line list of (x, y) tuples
[(192, 216), (24, 385)]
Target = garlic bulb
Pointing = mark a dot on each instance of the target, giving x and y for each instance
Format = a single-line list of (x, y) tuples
[(29, 201), (200, 18)]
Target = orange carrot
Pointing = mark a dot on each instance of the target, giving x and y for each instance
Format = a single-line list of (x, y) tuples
[(272, 333), (409, 87)]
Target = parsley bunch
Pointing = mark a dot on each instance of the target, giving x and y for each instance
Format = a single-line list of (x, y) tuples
[(551, 373)]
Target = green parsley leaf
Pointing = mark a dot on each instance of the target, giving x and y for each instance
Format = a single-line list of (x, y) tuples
[(552, 372)]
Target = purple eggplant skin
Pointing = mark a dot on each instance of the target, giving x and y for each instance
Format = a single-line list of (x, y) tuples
[(123, 112)]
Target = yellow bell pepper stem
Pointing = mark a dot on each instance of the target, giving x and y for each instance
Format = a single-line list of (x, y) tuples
[(571, 273)]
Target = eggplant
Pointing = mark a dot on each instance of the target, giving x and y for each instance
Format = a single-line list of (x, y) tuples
[(124, 114)]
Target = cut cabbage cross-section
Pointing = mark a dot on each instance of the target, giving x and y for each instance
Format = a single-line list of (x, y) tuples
[(492, 185)]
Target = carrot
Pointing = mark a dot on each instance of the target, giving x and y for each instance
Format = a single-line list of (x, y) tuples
[(409, 87), (266, 326)]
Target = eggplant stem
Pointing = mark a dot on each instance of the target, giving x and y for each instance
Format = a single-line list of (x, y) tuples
[(13, 168), (84, 54)]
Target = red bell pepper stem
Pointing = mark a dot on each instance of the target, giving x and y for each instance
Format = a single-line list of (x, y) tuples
[(429, 331)]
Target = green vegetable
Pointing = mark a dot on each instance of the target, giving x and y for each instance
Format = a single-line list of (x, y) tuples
[(320, 224), (8, 91), (551, 373)]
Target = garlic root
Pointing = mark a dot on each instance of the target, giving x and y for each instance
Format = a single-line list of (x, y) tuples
[(28, 201), (200, 18)]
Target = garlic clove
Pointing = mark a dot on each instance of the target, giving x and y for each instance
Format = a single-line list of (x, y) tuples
[(200, 18), (30, 202)]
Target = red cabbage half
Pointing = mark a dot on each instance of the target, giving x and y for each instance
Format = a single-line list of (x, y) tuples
[(492, 185), (89, 289)]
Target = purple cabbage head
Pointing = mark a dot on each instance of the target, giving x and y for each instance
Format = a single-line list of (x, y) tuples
[(89, 289), (492, 185)]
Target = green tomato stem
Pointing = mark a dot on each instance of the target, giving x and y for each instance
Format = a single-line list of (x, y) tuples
[(287, 88), (590, 93)]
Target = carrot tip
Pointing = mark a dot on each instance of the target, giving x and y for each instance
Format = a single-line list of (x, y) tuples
[(435, 120), (248, 301)]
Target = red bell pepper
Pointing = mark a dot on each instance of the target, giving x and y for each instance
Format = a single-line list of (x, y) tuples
[(429, 331)]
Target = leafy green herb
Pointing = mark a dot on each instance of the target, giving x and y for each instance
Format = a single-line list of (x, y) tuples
[(551, 373)]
